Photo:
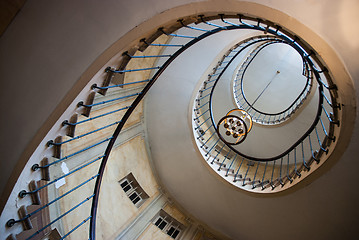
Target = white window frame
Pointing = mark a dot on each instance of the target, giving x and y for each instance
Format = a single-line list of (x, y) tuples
[(135, 188), (170, 223)]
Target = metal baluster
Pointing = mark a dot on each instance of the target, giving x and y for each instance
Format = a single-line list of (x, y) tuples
[(224, 159), (196, 109), (235, 157), (255, 174), (36, 166), (11, 222), (271, 180), (243, 23), (109, 69), (206, 88), (244, 179), (209, 23), (329, 102), (66, 122), (295, 163), (320, 142), (291, 180), (160, 45), (325, 131), (329, 117), (217, 154), (119, 85), (175, 35), (235, 176), (191, 27), (51, 142), (225, 21), (77, 226), (202, 123), (264, 173), (201, 115), (280, 172), (204, 96), (207, 140), (304, 162), (209, 151), (311, 149), (203, 133), (81, 104), (23, 193), (148, 56), (61, 216)]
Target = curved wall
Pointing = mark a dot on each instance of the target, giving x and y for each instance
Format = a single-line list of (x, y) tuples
[(53, 48)]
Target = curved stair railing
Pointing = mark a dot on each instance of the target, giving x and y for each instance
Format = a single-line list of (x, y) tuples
[(116, 103), (267, 173), (261, 173), (264, 117)]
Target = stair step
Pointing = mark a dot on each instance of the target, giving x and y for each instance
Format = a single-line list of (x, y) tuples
[(39, 219), (26, 224), (230, 171), (241, 179), (35, 197)]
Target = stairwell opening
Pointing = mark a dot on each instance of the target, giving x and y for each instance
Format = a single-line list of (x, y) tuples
[(135, 41)]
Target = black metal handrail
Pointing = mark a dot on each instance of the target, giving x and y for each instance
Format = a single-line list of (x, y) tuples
[(210, 143), (311, 128), (289, 109), (230, 156), (315, 155), (160, 71)]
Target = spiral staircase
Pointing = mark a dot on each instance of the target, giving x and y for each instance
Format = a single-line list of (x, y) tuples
[(131, 99)]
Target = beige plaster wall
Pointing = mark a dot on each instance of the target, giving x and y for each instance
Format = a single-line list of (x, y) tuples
[(93, 138), (176, 213), (115, 210), (153, 232), (81, 213), (138, 63)]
